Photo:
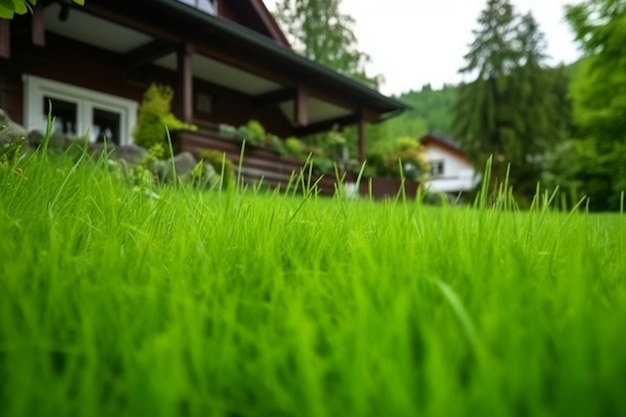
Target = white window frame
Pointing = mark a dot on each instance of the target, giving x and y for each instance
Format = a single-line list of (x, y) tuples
[(438, 163), (36, 88)]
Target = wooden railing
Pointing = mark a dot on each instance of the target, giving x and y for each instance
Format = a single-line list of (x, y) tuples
[(273, 170)]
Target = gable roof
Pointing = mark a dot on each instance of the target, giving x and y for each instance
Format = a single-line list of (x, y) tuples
[(255, 15), (444, 142)]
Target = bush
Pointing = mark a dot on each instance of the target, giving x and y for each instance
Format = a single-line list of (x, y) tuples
[(256, 132), (276, 144), (323, 164), (403, 156), (227, 130), (296, 147), (155, 116), (222, 164)]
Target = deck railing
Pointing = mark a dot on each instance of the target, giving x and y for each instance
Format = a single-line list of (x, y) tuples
[(274, 170)]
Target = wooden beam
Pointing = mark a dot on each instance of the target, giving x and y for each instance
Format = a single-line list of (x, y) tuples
[(131, 19), (185, 82), (362, 138), (5, 39), (146, 54), (274, 97), (301, 107), (38, 31), (327, 125)]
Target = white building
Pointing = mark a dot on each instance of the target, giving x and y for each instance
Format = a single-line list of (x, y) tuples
[(452, 171)]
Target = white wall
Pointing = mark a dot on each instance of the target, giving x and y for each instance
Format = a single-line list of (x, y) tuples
[(458, 174)]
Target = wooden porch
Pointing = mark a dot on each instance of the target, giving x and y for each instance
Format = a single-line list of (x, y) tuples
[(265, 166)]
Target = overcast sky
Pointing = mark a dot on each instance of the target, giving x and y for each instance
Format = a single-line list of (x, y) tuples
[(415, 42)]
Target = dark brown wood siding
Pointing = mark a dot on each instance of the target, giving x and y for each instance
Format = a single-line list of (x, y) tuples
[(11, 96), (99, 70)]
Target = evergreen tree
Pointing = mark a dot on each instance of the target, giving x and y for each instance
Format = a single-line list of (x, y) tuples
[(508, 110)]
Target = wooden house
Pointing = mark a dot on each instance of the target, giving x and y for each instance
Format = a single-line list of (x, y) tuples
[(227, 60), (451, 170)]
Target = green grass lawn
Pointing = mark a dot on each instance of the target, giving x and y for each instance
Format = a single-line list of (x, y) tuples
[(115, 303)]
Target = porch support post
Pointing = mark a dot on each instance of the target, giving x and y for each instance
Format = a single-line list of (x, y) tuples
[(362, 138), (38, 31), (301, 108), (185, 83), (5, 39)]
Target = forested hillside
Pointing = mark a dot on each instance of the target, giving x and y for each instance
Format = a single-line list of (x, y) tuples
[(431, 113), (432, 109)]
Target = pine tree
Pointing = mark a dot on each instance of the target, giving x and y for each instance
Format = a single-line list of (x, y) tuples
[(508, 110)]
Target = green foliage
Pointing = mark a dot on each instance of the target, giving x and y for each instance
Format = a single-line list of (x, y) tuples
[(402, 156), (320, 31), (8, 8), (10, 155), (256, 132), (583, 169), (227, 130), (595, 166), (431, 113), (223, 166), (276, 144), (599, 92), (156, 118), (323, 164), (513, 108), (296, 147)]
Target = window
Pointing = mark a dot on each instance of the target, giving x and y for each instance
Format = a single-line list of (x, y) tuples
[(77, 111), (437, 168), (207, 6), (204, 103)]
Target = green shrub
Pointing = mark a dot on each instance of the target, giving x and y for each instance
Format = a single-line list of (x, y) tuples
[(403, 156), (296, 147), (323, 164), (276, 144), (222, 164), (227, 130), (256, 132), (155, 116)]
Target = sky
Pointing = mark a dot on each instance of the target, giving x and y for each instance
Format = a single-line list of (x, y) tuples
[(418, 42)]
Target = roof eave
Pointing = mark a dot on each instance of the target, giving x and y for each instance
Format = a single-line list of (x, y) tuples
[(387, 105)]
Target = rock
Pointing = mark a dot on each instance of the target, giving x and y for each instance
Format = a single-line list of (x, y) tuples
[(132, 154), (11, 131), (184, 162), (58, 141)]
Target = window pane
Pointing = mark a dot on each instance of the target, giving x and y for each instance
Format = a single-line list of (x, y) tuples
[(64, 114), (206, 6), (106, 126)]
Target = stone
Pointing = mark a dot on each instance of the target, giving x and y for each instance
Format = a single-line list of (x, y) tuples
[(184, 162), (10, 131), (132, 154)]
